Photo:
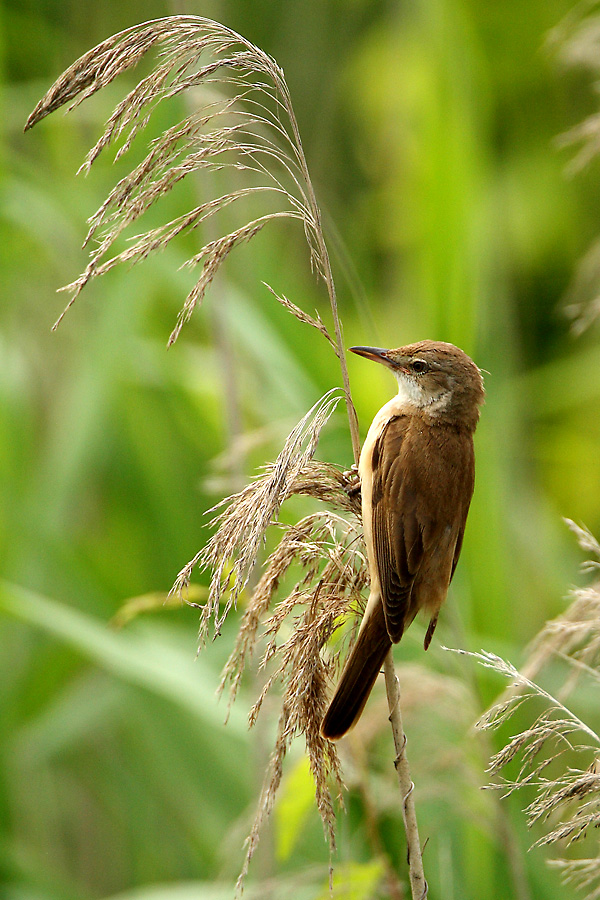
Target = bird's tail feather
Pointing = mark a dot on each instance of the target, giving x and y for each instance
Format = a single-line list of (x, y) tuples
[(358, 677)]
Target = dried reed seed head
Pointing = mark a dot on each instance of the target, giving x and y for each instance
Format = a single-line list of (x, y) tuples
[(574, 635), (312, 546), (582, 874), (328, 559), (183, 38), (232, 551), (332, 567), (585, 538), (571, 799), (303, 316), (305, 676), (253, 131), (576, 39)]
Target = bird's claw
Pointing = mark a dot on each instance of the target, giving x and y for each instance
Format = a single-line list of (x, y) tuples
[(352, 481)]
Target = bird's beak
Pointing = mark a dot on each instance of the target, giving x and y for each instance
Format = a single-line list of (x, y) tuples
[(377, 354)]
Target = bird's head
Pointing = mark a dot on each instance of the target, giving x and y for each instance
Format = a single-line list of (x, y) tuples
[(434, 377)]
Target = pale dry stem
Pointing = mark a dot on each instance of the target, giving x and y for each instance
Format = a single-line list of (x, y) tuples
[(418, 882)]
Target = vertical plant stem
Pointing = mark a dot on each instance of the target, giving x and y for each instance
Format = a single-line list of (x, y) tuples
[(418, 882), (395, 886), (327, 274), (341, 354), (352, 417)]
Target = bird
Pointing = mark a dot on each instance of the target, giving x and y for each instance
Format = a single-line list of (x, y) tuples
[(417, 473)]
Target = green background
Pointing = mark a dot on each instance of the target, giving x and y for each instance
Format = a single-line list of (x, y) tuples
[(430, 129)]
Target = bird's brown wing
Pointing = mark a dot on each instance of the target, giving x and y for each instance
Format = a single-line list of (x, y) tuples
[(422, 487), (398, 539)]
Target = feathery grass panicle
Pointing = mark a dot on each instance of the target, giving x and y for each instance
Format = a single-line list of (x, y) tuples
[(252, 130), (583, 296), (576, 40), (558, 754), (324, 547), (243, 523), (327, 483), (570, 799), (575, 634), (326, 551), (302, 316), (329, 552), (582, 874), (587, 542)]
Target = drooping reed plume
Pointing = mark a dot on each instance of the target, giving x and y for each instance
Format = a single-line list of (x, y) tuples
[(250, 128), (557, 754)]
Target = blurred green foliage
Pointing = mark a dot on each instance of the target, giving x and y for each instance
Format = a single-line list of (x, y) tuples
[(429, 129)]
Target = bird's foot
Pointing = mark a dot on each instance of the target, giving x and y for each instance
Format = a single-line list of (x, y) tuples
[(351, 481)]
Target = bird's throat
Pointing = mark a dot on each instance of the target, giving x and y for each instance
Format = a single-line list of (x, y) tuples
[(412, 397)]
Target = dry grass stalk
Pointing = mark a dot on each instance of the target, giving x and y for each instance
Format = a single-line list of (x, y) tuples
[(253, 130), (570, 799), (327, 550), (245, 131), (582, 874), (575, 634), (303, 316), (300, 545), (583, 298), (577, 40), (418, 882)]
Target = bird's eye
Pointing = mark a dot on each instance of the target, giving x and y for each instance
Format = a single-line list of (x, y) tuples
[(419, 366)]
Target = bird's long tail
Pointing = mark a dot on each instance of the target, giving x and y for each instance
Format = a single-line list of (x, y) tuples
[(358, 677)]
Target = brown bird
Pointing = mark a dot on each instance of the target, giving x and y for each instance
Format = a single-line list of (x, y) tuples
[(417, 470)]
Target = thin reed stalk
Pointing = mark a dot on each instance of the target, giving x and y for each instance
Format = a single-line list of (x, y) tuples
[(418, 882)]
